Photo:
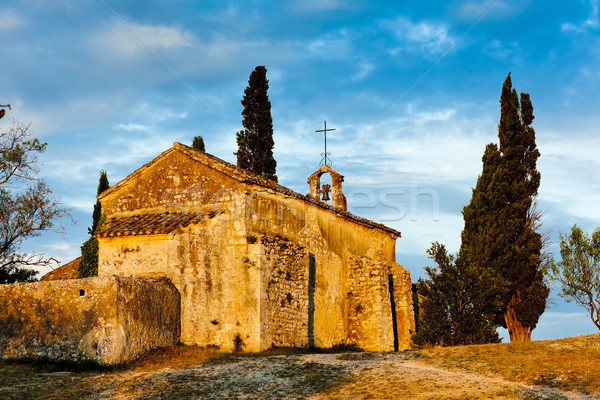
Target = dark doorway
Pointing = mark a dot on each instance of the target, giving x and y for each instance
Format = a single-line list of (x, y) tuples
[(312, 267), (393, 304)]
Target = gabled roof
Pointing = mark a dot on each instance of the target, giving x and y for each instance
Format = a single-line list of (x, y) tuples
[(244, 176), (67, 271)]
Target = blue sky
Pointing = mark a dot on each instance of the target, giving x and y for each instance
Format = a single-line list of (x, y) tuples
[(412, 89)]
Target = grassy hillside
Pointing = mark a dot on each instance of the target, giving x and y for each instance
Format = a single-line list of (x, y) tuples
[(568, 364), (558, 369)]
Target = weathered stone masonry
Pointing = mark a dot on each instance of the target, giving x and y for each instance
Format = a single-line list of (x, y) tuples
[(284, 299), (108, 319)]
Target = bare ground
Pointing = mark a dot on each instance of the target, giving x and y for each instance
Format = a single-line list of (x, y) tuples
[(468, 372)]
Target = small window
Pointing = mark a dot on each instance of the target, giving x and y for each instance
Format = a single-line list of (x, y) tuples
[(81, 292)]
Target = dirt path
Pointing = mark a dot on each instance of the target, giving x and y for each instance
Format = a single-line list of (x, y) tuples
[(313, 376)]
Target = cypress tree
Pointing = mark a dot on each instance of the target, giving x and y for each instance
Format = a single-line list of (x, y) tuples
[(499, 241), (255, 141), (198, 143), (88, 266), (97, 214)]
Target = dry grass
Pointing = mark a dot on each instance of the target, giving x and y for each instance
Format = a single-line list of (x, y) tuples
[(175, 357), (571, 364), (34, 380), (567, 368)]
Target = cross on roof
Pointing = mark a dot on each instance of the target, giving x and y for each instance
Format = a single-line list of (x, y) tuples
[(325, 160)]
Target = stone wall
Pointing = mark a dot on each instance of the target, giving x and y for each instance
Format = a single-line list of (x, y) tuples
[(403, 297), (108, 319), (284, 295), (368, 305)]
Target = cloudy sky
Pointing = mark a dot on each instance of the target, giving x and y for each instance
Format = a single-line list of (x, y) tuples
[(411, 88)]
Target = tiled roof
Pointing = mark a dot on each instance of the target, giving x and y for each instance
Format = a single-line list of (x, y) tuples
[(148, 224), (249, 177), (67, 271)]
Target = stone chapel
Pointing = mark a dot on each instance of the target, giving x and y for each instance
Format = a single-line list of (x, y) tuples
[(193, 249), (254, 260)]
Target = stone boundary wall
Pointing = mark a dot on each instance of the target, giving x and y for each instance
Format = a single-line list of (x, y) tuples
[(285, 282), (109, 319)]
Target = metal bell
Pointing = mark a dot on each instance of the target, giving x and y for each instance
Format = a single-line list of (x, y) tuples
[(325, 189)]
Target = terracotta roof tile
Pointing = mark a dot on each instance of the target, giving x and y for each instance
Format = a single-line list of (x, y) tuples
[(148, 224), (67, 271)]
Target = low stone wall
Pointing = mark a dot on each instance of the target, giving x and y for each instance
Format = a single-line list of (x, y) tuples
[(108, 319)]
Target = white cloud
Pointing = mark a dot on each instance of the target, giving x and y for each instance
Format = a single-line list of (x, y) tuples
[(500, 50), (472, 10), (130, 39), (590, 23), (74, 113), (9, 19), (322, 5), (364, 69), (435, 144), (569, 173), (332, 46), (429, 38), (131, 127), (136, 138)]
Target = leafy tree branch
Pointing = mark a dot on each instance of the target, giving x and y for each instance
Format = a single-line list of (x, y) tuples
[(579, 270), (27, 206)]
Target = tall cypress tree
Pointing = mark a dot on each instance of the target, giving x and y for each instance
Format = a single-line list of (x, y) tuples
[(255, 142), (88, 266), (499, 241), (97, 214)]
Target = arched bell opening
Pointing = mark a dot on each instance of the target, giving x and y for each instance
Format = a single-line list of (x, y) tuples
[(330, 184), (325, 185)]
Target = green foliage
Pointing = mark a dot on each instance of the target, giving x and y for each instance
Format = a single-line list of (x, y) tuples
[(255, 142), (248, 262), (88, 266), (500, 239), (97, 214), (579, 270), (13, 274), (198, 144), (27, 207), (453, 304)]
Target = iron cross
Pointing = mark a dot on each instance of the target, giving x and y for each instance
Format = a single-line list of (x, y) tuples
[(324, 160)]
